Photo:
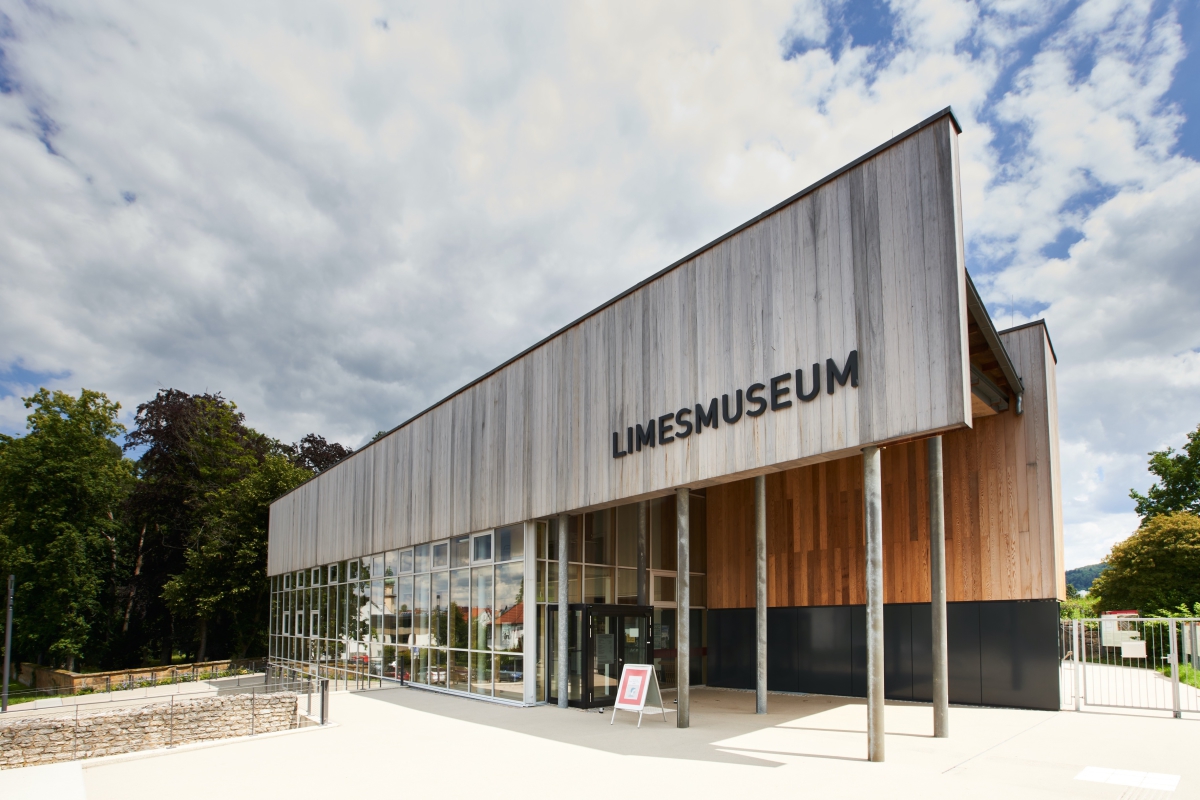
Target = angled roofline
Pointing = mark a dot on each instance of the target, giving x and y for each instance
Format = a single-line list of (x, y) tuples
[(984, 320), (925, 123), (1041, 322)]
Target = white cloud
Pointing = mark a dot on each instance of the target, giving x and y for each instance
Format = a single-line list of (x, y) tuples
[(336, 221)]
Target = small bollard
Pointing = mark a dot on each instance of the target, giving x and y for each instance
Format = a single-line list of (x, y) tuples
[(324, 700)]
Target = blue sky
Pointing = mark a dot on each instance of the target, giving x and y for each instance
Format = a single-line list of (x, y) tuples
[(337, 214)]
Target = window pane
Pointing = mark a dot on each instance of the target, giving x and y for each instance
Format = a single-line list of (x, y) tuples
[(439, 606), (664, 589), (482, 545), (406, 561), (421, 610), (353, 569), (541, 581), (543, 535), (481, 673), (627, 586), (510, 542), (375, 611), (421, 558), (574, 584), (662, 533), (333, 573), (598, 585), (377, 566), (420, 668), (481, 609), (510, 680), (460, 604), (510, 612), (404, 606), (627, 535), (599, 543), (459, 672), (437, 668), (460, 551), (441, 555), (403, 663), (390, 563), (389, 610), (696, 593)]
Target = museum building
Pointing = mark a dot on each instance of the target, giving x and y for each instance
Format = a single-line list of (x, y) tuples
[(778, 450)]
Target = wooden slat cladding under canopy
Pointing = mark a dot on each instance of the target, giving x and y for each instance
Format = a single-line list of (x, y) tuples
[(865, 264), (1003, 513)]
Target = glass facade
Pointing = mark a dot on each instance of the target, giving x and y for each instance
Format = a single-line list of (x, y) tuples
[(602, 568), (448, 615)]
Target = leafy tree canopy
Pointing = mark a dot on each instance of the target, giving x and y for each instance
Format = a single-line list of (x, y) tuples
[(1178, 485), (317, 455), (62, 487), (1158, 567)]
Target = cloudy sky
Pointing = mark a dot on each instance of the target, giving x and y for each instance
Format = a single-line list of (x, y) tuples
[(337, 213)]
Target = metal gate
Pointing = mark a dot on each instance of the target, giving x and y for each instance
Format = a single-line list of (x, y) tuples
[(1130, 662)]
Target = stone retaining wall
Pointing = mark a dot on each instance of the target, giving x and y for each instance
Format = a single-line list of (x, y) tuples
[(25, 741)]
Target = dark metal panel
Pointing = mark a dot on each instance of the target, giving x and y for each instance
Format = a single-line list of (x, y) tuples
[(962, 635), (731, 648), (1018, 650), (922, 652), (825, 650), (783, 650), (897, 652), (858, 651)]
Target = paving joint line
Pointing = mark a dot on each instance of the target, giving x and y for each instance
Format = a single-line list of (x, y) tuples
[(997, 744)]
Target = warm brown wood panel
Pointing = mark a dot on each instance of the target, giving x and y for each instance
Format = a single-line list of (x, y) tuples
[(1003, 513)]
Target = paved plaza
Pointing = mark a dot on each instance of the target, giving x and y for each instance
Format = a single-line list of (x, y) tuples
[(417, 741)]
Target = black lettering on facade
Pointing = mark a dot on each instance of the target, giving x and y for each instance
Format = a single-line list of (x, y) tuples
[(816, 386), (760, 405), (850, 371), (665, 427), (617, 451), (709, 419), (725, 408), (778, 392), (685, 426), (645, 436)]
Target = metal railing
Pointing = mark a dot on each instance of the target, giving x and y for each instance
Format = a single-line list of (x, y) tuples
[(149, 682), (1130, 662)]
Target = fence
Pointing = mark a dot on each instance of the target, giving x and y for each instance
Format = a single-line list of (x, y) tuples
[(88, 731), (1130, 662)]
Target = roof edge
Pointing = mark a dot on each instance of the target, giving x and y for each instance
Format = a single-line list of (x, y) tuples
[(948, 111), (975, 303), (1045, 328)]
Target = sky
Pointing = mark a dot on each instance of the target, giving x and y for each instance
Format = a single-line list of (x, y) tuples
[(336, 214)]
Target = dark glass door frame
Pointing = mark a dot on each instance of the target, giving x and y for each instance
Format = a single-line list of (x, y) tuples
[(590, 611)]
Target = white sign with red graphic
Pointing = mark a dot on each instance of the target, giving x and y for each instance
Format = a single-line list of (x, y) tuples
[(639, 685)]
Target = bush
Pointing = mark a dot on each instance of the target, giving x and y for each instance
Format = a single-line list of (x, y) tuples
[(1158, 567)]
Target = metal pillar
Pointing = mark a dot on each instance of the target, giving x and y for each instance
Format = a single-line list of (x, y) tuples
[(564, 522), (1174, 661), (1077, 667), (683, 605), (643, 551), (937, 590), (873, 495), (12, 579), (760, 593)]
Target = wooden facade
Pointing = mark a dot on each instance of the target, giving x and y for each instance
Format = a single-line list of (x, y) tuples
[(1004, 534), (868, 260)]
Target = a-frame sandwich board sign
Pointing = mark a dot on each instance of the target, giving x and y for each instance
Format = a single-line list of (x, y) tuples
[(639, 685)]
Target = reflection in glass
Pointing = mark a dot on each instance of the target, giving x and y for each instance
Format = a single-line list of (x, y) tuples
[(376, 566), (481, 547), (390, 563), (406, 561), (627, 586), (662, 533), (541, 581), (437, 668), (421, 610), (459, 672), (510, 611), (460, 604), (374, 613), (460, 551), (509, 677), (353, 569), (481, 673), (510, 542), (481, 608), (599, 541), (598, 584), (441, 555), (403, 663), (627, 535), (404, 610), (664, 588), (421, 560), (438, 607), (420, 667), (389, 610)]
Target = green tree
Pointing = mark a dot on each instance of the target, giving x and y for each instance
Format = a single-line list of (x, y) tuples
[(62, 487), (1158, 567), (1179, 474), (225, 575)]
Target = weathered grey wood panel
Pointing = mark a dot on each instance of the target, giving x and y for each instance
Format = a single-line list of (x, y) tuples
[(869, 260)]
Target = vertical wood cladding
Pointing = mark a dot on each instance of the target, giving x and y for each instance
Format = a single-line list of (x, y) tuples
[(1003, 513), (869, 260)]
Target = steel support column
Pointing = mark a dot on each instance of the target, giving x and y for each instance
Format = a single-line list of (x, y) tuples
[(937, 589), (564, 522), (873, 496), (643, 551), (683, 604), (760, 593)]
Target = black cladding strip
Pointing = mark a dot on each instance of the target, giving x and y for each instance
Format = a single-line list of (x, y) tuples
[(753, 403)]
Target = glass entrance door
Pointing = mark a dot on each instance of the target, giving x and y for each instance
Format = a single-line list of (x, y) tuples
[(603, 639)]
